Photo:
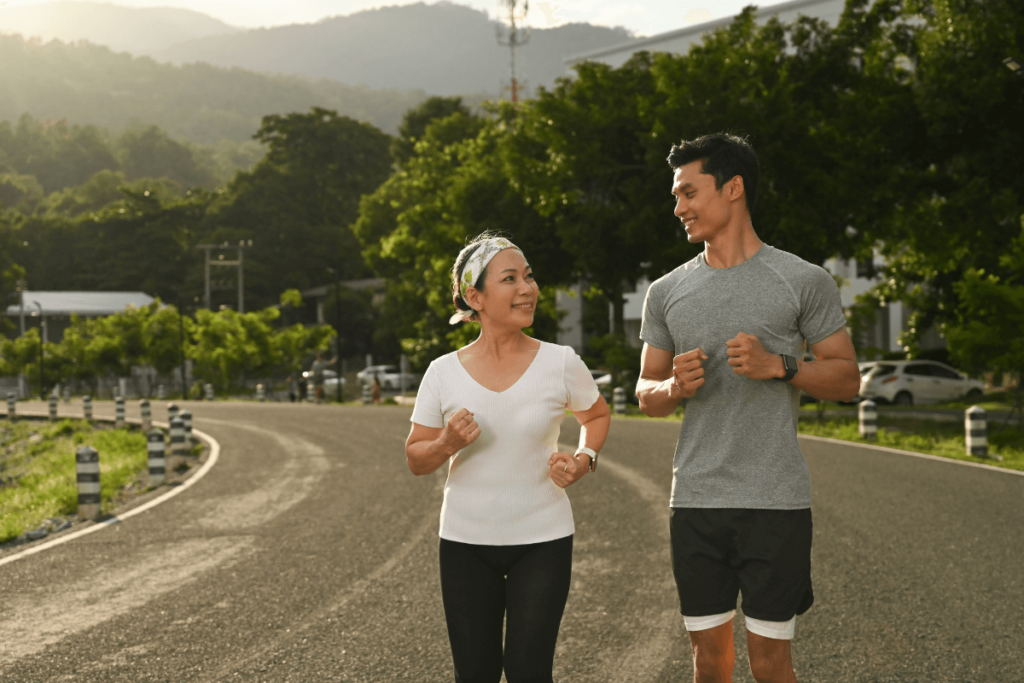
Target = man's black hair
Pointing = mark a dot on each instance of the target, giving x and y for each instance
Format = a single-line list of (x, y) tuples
[(725, 157)]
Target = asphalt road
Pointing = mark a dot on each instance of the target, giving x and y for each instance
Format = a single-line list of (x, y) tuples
[(309, 553)]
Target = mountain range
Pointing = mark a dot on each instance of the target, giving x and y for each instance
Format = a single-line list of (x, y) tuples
[(140, 31), (440, 49)]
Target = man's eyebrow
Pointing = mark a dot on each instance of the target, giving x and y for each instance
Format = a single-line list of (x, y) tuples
[(681, 188)]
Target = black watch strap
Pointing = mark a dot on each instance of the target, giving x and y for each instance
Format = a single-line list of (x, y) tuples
[(789, 363)]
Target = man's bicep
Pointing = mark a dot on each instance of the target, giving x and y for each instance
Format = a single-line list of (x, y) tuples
[(837, 345), (655, 363)]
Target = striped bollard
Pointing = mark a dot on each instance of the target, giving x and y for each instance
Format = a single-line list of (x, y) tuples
[(619, 397), (867, 412), (12, 403), (157, 457), (87, 407), (87, 472), (53, 407), (186, 420), (119, 421), (976, 429), (178, 447), (172, 411), (67, 394), (161, 393), (367, 393), (261, 394), (209, 392), (147, 415)]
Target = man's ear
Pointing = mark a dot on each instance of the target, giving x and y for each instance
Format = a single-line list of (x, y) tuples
[(735, 188)]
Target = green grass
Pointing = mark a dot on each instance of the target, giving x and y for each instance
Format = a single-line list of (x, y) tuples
[(944, 439), (37, 480), (932, 437)]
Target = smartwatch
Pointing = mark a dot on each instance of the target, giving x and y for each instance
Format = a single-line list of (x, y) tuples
[(789, 363), (591, 453)]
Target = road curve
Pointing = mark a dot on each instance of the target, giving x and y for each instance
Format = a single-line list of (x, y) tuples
[(309, 554)]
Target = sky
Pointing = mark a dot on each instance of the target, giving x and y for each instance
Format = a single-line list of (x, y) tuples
[(642, 17)]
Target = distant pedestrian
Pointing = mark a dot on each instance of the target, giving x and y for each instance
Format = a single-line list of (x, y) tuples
[(293, 389), (492, 412), (317, 373), (375, 389), (722, 335)]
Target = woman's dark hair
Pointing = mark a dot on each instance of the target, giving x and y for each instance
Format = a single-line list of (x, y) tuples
[(460, 266), (725, 156)]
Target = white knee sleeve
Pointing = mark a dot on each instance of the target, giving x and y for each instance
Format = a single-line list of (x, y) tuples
[(704, 623), (778, 630)]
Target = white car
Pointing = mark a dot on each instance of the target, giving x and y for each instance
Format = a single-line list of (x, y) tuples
[(910, 382), (389, 377), (330, 382)]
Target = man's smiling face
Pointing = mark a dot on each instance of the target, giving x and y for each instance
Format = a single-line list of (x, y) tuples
[(703, 209)]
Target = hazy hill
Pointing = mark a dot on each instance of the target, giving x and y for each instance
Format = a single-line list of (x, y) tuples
[(443, 49), (86, 83), (140, 31)]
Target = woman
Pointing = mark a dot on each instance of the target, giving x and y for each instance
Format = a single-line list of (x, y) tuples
[(492, 410)]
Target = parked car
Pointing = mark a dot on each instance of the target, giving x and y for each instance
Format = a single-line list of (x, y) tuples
[(389, 377), (910, 382), (602, 378)]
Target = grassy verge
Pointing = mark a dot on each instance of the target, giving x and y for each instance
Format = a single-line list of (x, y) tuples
[(944, 439), (37, 469)]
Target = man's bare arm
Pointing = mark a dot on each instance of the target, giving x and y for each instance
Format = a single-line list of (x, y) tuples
[(666, 380), (834, 376)]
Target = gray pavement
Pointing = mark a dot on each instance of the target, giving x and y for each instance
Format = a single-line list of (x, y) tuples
[(308, 553)]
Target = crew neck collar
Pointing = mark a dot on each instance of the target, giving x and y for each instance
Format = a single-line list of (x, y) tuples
[(755, 256)]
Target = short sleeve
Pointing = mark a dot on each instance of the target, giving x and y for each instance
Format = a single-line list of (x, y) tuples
[(427, 411), (821, 307), (653, 329), (581, 391)]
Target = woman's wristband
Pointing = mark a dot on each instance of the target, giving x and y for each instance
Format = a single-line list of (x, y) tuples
[(591, 453)]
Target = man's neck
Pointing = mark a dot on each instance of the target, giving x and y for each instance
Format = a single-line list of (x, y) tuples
[(732, 247)]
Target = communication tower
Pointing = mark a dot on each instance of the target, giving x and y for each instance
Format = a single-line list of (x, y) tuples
[(513, 32)]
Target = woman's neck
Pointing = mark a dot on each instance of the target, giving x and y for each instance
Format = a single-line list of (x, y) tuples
[(497, 345)]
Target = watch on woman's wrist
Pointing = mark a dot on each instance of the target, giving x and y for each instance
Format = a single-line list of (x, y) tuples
[(592, 453)]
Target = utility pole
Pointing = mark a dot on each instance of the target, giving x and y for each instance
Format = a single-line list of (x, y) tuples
[(237, 263), (513, 35)]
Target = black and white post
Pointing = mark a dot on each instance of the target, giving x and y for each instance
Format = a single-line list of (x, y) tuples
[(119, 414), (172, 412), (178, 448), (261, 394), (87, 407), (87, 472), (619, 400), (157, 457), (147, 415), (186, 421), (867, 412), (161, 393), (67, 394), (209, 391), (12, 402), (53, 407), (976, 429)]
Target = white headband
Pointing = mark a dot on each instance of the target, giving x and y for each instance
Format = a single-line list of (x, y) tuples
[(474, 266)]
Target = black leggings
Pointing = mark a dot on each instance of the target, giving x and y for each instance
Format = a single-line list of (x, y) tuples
[(482, 585)]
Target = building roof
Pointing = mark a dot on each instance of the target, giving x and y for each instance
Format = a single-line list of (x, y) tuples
[(83, 303), (324, 290), (679, 40)]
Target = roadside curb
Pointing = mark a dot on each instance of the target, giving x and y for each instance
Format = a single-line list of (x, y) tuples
[(926, 456), (185, 485)]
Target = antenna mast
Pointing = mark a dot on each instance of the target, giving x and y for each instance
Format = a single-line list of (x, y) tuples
[(513, 33)]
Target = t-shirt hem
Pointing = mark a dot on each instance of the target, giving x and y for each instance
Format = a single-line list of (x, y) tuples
[(539, 538), (730, 505)]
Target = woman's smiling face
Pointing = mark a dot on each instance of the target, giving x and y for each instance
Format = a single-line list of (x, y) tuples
[(510, 292)]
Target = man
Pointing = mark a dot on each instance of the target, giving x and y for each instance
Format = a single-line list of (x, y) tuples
[(317, 370), (722, 336)]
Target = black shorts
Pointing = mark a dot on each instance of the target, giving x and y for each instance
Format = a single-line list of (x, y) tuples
[(718, 553)]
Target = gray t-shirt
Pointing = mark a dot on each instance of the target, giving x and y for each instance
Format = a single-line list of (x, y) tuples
[(737, 445)]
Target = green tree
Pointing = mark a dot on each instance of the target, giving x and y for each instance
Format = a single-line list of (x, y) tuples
[(415, 122), (298, 202), (151, 153)]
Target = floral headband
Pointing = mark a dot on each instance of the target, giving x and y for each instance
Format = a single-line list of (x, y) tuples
[(474, 266)]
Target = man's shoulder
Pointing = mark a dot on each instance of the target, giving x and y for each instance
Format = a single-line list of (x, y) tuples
[(672, 278), (794, 268)]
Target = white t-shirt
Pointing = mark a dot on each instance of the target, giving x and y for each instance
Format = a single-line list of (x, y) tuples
[(498, 490)]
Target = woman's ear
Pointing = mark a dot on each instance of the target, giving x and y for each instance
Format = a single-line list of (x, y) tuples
[(472, 298)]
